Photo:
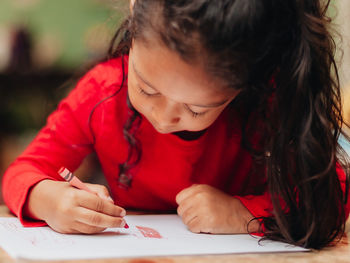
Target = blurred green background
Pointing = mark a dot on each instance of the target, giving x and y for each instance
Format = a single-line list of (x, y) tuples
[(45, 45), (72, 30)]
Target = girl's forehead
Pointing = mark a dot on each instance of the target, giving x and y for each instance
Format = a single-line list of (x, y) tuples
[(165, 71)]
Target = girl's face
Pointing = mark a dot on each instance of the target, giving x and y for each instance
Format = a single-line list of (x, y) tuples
[(173, 95)]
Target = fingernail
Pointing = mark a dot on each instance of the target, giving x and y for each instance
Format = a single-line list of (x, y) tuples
[(110, 199), (122, 213)]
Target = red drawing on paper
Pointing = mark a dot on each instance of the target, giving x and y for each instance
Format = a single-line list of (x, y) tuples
[(149, 232)]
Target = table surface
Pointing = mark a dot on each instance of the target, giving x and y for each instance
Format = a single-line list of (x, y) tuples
[(338, 253)]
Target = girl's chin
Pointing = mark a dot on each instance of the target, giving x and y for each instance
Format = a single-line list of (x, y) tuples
[(164, 130)]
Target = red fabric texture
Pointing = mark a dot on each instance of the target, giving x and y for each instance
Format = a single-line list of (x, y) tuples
[(168, 164)]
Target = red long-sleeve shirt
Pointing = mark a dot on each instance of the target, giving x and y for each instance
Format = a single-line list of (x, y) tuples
[(168, 164)]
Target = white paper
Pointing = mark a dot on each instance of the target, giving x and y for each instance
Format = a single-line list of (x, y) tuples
[(148, 235)]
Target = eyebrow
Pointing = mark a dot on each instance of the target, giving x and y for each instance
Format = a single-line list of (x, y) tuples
[(213, 105)]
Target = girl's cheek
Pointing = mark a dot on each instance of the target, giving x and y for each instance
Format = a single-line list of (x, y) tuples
[(133, 97), (200, 123), (137, 101), (210, 119)]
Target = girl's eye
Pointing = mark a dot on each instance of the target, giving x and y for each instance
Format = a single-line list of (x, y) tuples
[(195, 114), (142, 91)]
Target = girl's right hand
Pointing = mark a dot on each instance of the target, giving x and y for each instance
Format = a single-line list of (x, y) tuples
[(67, 209)]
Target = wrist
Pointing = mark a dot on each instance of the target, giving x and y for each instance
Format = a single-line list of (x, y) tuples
[(247, 222), (33, 207)]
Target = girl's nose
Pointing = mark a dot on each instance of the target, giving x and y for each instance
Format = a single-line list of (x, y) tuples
[(166, 113)]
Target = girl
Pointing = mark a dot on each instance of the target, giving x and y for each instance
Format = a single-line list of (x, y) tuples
[(224, 110)]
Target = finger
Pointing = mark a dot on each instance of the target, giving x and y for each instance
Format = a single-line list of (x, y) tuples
[(101, 191), (82, 228), (185, 193), (194, 225), (97, 219), (180, 210), (97, 204), (188, 215), (184, 206)]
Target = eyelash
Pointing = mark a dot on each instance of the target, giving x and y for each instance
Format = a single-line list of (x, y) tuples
[(143, 92), (193, 113)]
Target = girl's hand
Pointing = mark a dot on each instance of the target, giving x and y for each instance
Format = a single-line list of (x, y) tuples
[(67, 209), (208, 210)]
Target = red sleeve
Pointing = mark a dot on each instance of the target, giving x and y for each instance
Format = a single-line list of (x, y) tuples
[(64, 141), (261, 205), (258, 205), (343, 182)]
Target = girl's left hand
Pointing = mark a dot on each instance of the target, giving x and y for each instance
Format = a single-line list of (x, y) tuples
[(206, 209)]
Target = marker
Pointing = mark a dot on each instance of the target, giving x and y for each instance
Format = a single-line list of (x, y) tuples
[(74, 181)]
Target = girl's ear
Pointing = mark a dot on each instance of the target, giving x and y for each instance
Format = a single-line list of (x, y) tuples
[(131, 5)]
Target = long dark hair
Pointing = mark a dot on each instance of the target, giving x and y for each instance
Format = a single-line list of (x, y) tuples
[(280, 54)]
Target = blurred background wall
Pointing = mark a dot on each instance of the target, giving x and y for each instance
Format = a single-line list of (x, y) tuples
[(44, 44), (342, 22)]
